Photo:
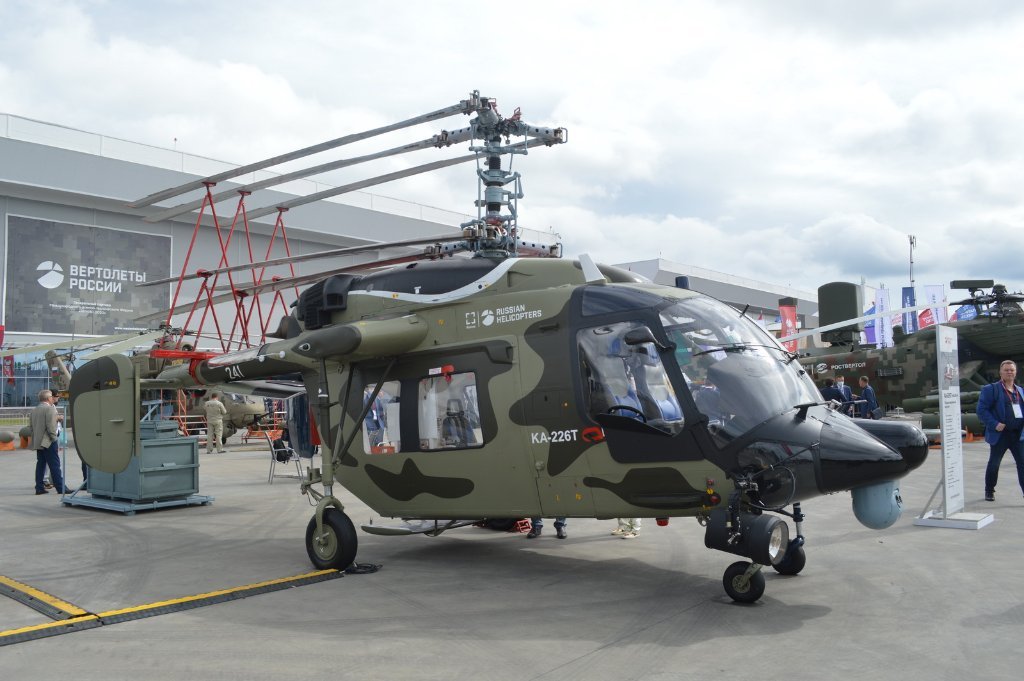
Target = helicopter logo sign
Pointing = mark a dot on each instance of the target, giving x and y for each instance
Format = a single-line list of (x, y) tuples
[(52, 274), (500, 315)]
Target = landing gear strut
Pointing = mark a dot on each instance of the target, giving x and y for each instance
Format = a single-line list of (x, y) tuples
[(795, 559), (761, 538)]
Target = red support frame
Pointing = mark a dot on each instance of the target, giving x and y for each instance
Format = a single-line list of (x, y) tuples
[(239, 330)]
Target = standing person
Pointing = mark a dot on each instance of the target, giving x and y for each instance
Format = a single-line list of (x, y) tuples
[(537, 526), (870, 404), (44, 440), (831, 392), (215, 412), (61, 426), (628, 528), (1000, 406), (847, 392)]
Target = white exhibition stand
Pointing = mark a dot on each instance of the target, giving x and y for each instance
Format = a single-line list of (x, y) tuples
[(951, 514)]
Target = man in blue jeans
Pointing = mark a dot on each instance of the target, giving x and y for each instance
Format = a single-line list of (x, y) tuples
[(537, 526), (44, 440), (1001, 409)]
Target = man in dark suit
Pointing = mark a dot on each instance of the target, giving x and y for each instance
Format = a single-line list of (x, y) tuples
[(870, 404), (831, 392), (1001, 409), (847, 395)]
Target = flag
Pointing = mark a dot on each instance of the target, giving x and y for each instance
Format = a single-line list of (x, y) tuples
[(883, 328), (965, 312), (761, 322), (870, 337), (909, 318), (788, 314), (935, 295), (9, 369), (925, 319)]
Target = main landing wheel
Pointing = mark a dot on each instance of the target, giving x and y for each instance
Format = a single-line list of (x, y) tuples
[(337, 549), (741, 588), (793, 562)]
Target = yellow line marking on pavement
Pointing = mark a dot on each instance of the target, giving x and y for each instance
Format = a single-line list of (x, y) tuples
[(48, 625), (81, 617), (211, 594), (52, 601)]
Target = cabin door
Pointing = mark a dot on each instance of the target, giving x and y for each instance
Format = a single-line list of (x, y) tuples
[(105, 412)]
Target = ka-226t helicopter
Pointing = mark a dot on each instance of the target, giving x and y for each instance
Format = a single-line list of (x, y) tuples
[(496, 386)]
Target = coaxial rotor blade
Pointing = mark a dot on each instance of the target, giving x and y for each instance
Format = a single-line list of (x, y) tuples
[(435, 141), (466, 106), (126, 344), (81, 344), (350, 250), (373, 181), (355, 186), (282, 284)]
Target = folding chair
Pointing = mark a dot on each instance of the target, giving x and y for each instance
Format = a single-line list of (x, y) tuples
[(282, 448)]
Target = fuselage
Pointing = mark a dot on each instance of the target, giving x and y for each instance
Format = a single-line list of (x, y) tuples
[(513, 387)]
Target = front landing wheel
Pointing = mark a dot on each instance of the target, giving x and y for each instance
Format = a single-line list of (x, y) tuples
[(793, 562), (740, 586), (337, 548)]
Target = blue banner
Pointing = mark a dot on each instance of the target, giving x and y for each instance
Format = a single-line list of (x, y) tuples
[(869, 328), (909, 318), (966, 312)]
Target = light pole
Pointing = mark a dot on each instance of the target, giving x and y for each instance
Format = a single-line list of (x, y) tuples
[(913, 242)]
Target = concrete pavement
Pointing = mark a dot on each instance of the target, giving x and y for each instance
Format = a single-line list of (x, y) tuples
[(908, 602)]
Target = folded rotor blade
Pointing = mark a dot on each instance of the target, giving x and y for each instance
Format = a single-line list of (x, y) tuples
[(282, 284), (288, 177), (349, 250), (127, 344), (81, 344), (466, 106)]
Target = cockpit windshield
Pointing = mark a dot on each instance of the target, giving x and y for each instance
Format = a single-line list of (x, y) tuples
[(738, 375)]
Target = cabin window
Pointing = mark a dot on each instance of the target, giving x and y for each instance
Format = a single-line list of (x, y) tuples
[(449, 412), (627, 380), (381, 433)]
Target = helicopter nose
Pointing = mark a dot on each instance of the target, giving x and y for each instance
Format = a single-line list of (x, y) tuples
[(856, 454)]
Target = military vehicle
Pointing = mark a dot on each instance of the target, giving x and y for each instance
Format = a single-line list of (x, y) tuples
[(499, 386), (905, 375)]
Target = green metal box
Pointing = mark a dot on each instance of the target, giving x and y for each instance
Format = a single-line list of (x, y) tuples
[(164, 469)]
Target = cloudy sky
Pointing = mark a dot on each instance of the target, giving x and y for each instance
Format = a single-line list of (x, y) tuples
[(795, 142)]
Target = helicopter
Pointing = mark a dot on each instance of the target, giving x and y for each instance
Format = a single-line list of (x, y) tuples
[(451, 390), (904, 375)]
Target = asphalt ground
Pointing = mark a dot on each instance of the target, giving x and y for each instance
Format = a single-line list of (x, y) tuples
[(909, 602)]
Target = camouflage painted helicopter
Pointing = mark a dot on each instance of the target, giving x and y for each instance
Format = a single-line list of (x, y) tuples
[(904, 375), (493, 386)]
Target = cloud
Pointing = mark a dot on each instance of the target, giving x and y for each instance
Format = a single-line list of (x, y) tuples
[(796, 142)]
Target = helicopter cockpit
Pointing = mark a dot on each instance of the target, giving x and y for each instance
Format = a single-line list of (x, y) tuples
[(737, 375)]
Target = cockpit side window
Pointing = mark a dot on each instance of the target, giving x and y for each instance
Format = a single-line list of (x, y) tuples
[(626, 380), (449, 412), (381, 433)]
